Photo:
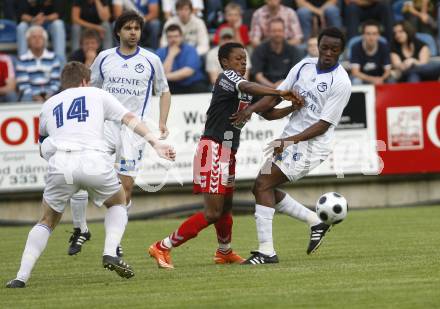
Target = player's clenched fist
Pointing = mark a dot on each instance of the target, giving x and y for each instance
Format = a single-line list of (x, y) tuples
[(293, 96)]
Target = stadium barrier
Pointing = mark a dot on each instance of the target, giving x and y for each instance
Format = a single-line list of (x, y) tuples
[(370, 140)]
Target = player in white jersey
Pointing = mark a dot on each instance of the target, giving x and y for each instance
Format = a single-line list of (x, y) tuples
[(130, 73), (72, 135), (305, 142)]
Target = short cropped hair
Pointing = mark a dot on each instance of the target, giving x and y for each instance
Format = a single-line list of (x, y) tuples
[(90, 34), (173, 27), (226, 49), (232, 6), (333, 32), (35, 28), (127, 17), (370, 22), (73, 74), (182, 3)]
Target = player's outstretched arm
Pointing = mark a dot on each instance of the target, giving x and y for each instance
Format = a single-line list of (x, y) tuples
[(314, 130), (163, 150)]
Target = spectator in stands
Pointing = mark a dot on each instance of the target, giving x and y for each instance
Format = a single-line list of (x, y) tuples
[(48, 14), (357, 11), (94, 15), (233, 21), (326, 11), (7, 80), (410, 57), (421, 13), (149, 9), (273, 9), (181, 63), (370, 58), (169, 8), (194, 28), (90, 48), (212, 65), (312, 47), (38, 70), (273, 59)]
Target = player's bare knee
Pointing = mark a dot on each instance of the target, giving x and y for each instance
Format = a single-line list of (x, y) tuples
[(213, 215)]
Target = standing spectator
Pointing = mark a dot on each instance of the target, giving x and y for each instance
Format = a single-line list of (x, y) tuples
[(169, 8), (411, 57), (234, 21), (38, 70), (90, 48), (312, 47), (273, 9), (327, 12), (357, 11), (182, 65), (91, 14), (273, 59), (149, 9), (212, 65), (193, 28), (7, 80), (48, 14), (370, 58)]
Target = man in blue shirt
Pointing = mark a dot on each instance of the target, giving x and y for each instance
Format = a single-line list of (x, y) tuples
[(182, 64), (370, 58)]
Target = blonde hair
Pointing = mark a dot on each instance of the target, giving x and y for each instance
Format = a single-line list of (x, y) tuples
[(232, 6)]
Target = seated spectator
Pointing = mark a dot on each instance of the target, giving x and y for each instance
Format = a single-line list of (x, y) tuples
[(271, 10), (312, 47), (94, 15), (357, 11), (233, 21), (273, 59), (149, 9), (327, 12), (48, 14), (7, 80), (370, 59), (181, 63), (169, 8), (38, 70), (421, 13), (212, 65), (90, 48), (194, 28), (410, 57)]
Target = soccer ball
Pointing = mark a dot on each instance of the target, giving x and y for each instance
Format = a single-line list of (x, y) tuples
[(331, 208)]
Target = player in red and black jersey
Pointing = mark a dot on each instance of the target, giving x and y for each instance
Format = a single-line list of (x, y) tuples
[(214, 161)]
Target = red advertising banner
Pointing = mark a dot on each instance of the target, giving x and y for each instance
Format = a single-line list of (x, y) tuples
[(408, 121)]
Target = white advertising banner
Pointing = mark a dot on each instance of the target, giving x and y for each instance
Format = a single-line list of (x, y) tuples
[(355, 152)]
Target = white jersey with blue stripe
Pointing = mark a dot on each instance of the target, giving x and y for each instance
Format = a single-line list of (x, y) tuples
[(130, 78), (326, 94)]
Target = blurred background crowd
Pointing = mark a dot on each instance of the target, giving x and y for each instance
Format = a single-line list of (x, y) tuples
[(387, 41)]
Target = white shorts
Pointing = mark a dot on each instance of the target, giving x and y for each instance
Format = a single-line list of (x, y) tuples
[(69, 172), (298, 160), (127, 146)]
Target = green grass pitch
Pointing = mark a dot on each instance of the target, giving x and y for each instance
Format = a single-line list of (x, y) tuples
[(377, 258)]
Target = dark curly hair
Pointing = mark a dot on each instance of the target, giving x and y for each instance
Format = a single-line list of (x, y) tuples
[(127, 17), (226, 49)]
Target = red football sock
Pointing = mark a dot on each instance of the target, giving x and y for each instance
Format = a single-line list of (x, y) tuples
[(224, 229), (189, 229)]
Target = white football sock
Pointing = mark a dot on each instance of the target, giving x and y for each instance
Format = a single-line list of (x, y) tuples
[(166, 243), (35, 244), (78, 206), (224, 247), (263, 219), (295, 209), (114, 223)]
